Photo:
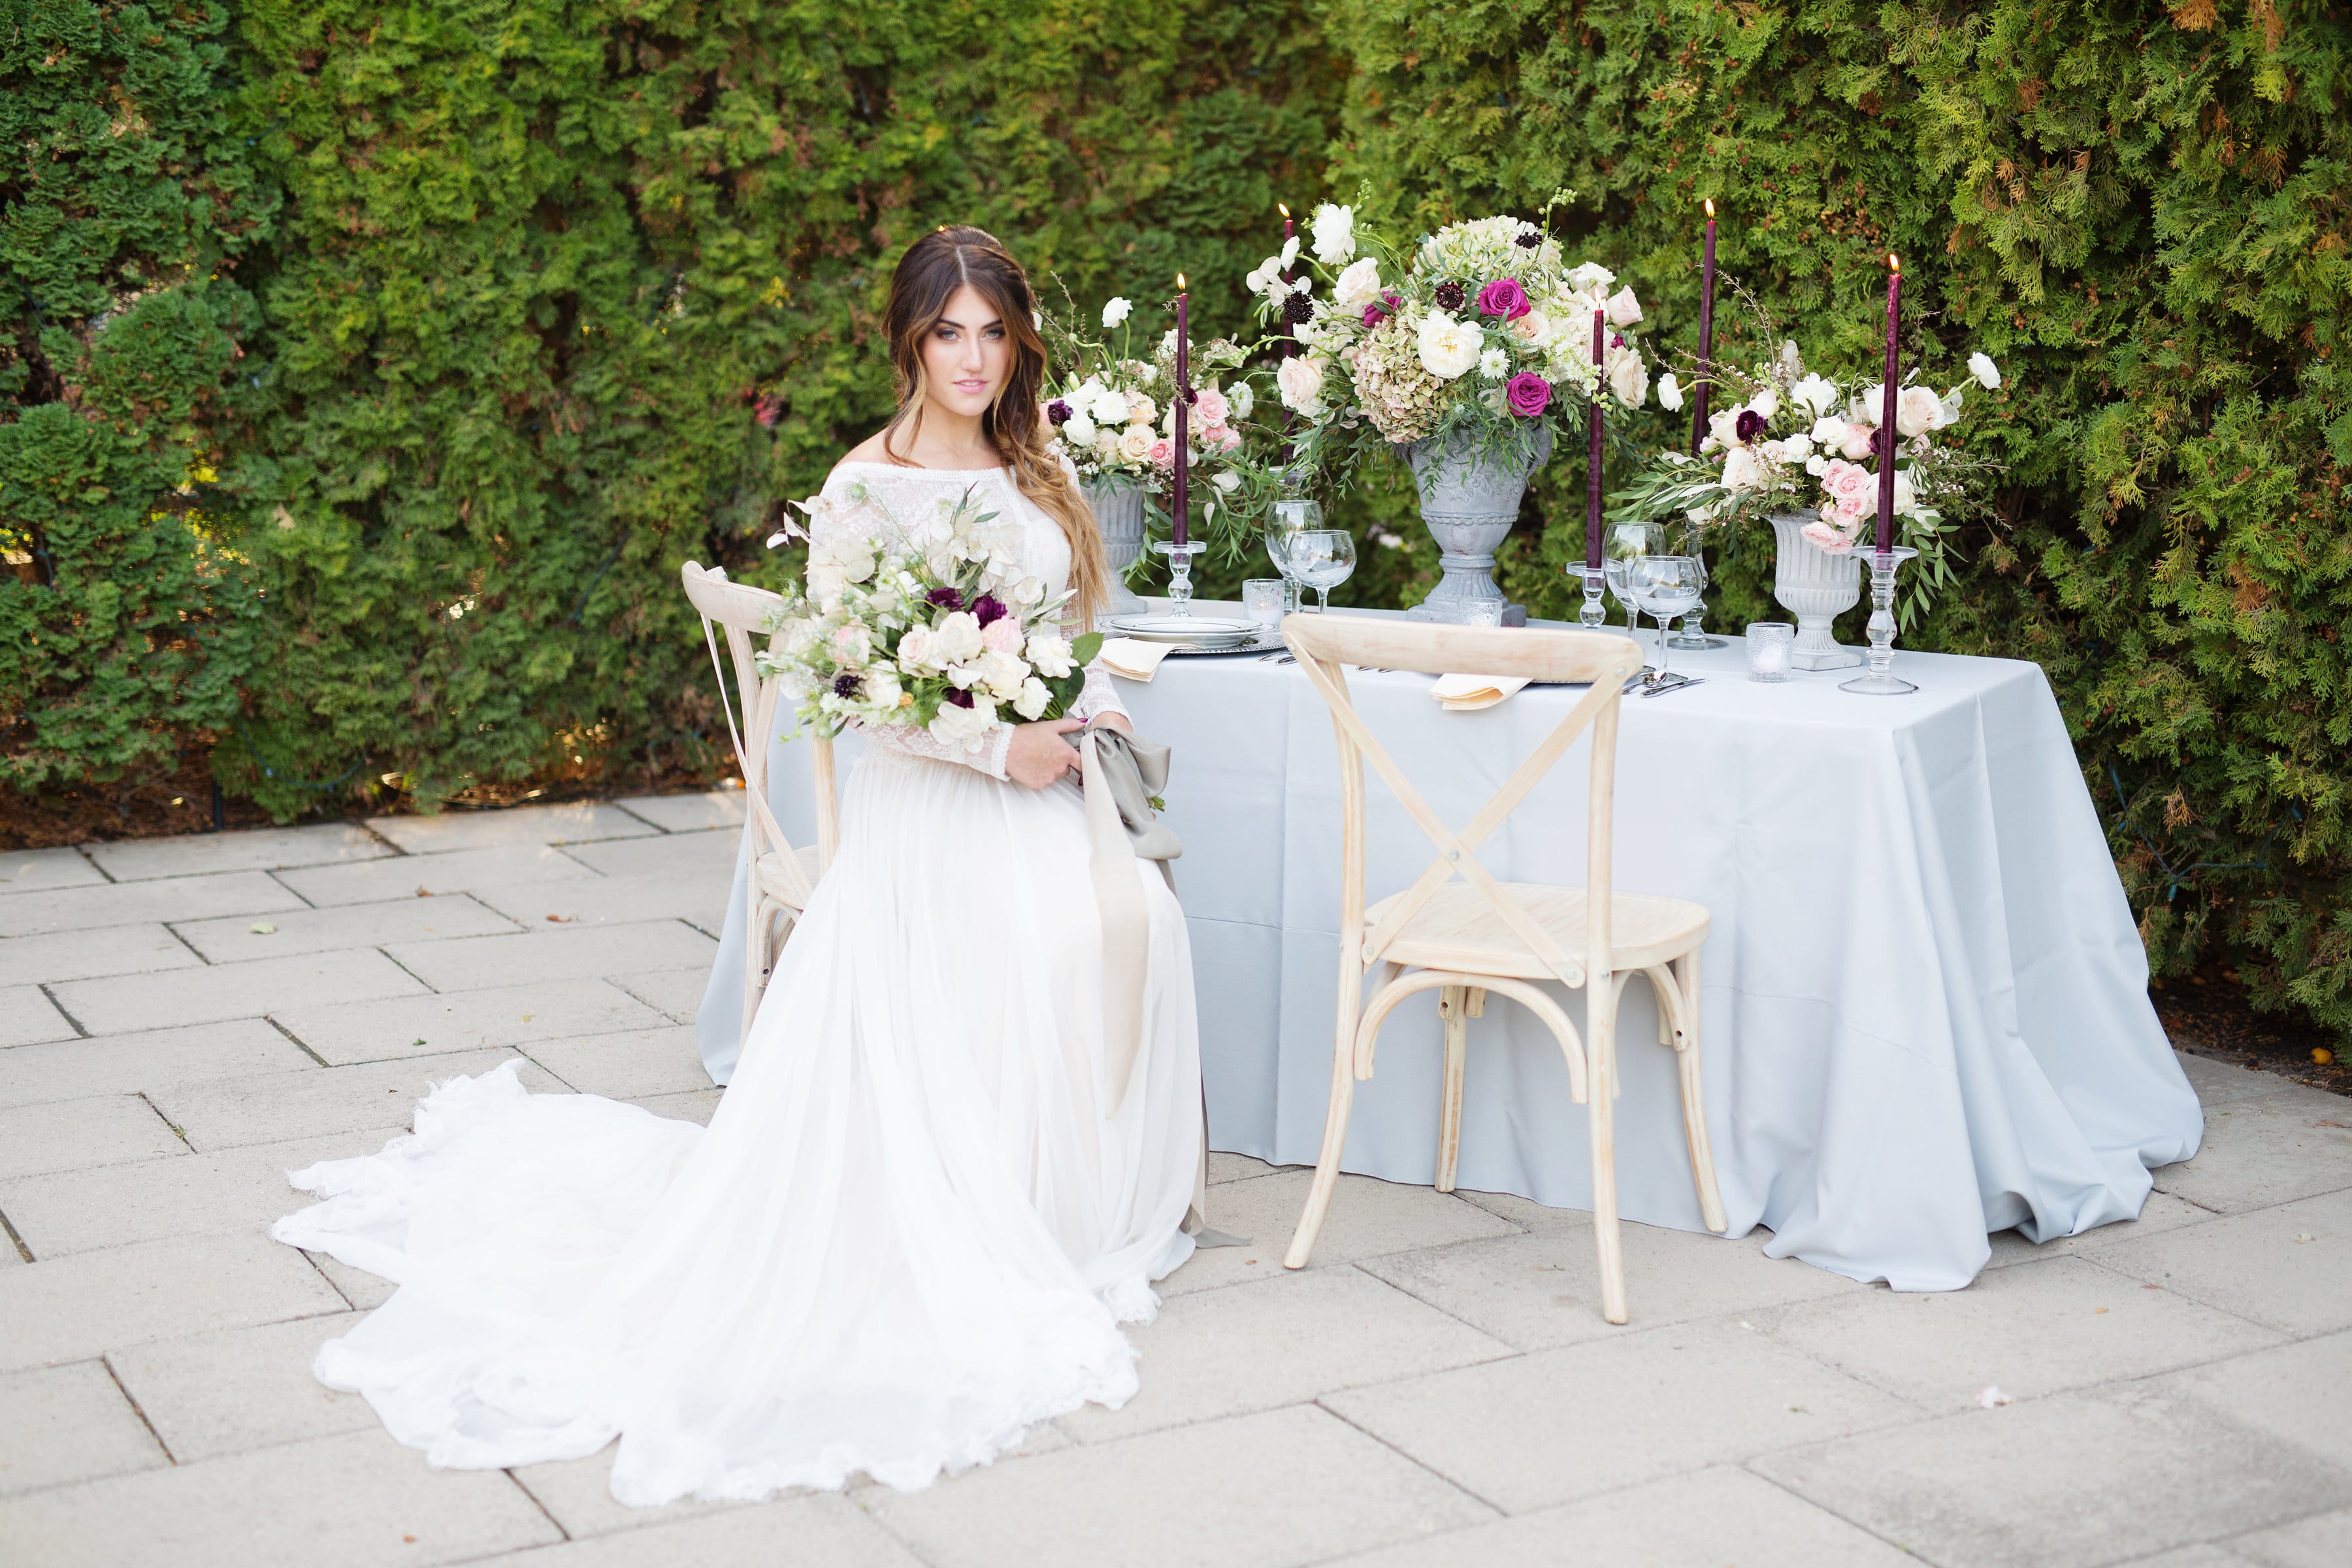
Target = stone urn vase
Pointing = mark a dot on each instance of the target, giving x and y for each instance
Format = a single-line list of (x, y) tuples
[(1117, 506), (1815, 586), (1468, 503)]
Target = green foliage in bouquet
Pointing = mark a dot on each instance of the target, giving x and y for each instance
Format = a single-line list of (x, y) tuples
[(2139, 212), (127, 209)]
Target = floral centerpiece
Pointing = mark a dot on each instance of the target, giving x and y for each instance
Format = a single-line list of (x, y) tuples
[(926, 623), (1796, 443)]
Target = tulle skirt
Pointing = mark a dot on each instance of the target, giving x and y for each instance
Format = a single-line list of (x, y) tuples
[(911, 1229)]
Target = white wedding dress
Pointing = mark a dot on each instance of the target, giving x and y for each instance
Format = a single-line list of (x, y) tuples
[(912, 1228)]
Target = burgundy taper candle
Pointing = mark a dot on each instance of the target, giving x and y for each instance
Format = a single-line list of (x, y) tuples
[(1183, 409), (1886, 437), (1706, 332), (1592, 462)]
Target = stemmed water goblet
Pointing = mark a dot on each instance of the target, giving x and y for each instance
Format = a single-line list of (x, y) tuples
[(1622, 543), (1291, 516), (1665, 586), (1692, 636), (1323, 558)]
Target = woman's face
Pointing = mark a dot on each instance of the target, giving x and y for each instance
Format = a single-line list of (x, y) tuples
[(967, 355)]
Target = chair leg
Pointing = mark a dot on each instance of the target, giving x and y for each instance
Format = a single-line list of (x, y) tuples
[(1600, 1045), (1710, 1199), (1453, 1006), (755, 963), (1335, 1140)]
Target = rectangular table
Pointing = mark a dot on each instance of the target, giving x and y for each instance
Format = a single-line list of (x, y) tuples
[(1925, 1012)]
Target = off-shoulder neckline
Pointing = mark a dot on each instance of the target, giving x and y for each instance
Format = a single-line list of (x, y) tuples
[(913, 467)]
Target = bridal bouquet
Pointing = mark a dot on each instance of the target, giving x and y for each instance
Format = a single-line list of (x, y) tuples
[(929, 623), (1481, 329)]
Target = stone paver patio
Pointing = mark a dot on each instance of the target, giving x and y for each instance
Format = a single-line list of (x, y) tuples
[(1439, 1389)]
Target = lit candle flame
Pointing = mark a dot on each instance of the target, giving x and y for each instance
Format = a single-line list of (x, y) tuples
[(1282, 208), (1893, 265), (1710, 207), (1179, 282)]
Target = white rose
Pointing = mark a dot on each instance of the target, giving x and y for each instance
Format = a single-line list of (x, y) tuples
[(1078, 430), (1359, 285), (1142, 409), (1032, 698), (1300, 381), (1115, 311), (964, 727), (1108, 407), (1624, 309), (1816, 395), (1988, 374), (1535, 327), (1493, 364), (1829, 430), (1670, 394), (1796, 448), (1917, 411), (1723, 428), (1335, 234), (1591, 278), (955, 637), (1817, 464), (1629, 377), (882, 688), (1050, 654), (1448, 348), (1906, 498), (1003, 673), (1766, 403), (1135, 442), (914, 649), (1241, 399), (1741, 470)]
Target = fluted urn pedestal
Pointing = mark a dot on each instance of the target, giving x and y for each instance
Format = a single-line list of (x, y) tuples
[(1468, 503), (1815, 586), (1118, 512)]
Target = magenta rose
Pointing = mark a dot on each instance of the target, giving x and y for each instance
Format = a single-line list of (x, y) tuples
[(1527, 394), (1504, 298)]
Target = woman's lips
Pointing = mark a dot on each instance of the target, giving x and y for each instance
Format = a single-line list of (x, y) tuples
[(971, 386)]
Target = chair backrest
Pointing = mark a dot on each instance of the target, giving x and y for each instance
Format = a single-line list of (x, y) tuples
[(1326, 644), (745, 610)]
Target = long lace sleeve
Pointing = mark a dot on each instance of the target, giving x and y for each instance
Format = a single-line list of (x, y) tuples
[(898, 491), (1100, 696)]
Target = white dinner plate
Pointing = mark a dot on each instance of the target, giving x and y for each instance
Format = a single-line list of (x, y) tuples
[(1200, 631)]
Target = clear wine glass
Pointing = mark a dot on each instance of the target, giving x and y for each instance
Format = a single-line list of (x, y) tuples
[(1291, 516), (1692, 636), (1622, 543), (1323, 558), (1665, 586)]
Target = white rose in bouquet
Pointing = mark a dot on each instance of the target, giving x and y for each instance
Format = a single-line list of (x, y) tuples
[(1448, 349), (1078, 430), (1142, 410), (1593, 278), (882, 687), (1918, 410), (1535, 327), (955, 637), (1988, 374), (1723, 428), (916, 650), (1003, 673), (1115, 311), (1300, 381), (1033, 698), (1135, 443), (1359, 286), (1767, 404), (1742, 469), (1108, 407), (1817, 396), (1050, 654), (1624, 309), (964, 727), (1629, 377), (1335, 234)]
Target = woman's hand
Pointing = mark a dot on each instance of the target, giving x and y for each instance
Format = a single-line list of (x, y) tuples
[(1115, 721), (1038, 755)]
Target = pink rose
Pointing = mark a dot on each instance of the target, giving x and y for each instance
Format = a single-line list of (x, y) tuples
[(1221, 438), (1211, 406), (1843, 480), (1504, 298), (1002, 634), (1856, 442), (1828, 537), (1161, 454), (1527, 394)]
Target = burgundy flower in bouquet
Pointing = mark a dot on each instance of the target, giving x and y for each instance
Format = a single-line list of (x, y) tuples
[(1504, 298), (1526, 395)]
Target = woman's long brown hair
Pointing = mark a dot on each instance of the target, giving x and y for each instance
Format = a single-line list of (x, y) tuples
[(933, 268)]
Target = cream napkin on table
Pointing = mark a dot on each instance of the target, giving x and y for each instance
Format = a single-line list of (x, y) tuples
[(1468, 693), (1133, 657)]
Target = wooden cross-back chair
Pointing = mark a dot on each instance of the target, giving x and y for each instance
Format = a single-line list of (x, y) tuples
[(782, 877), (1465, 938)]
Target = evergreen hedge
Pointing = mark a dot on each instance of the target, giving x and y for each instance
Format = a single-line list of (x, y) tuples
[(370, 370)]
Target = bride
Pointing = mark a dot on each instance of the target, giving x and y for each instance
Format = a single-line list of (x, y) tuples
[(913, 1226)]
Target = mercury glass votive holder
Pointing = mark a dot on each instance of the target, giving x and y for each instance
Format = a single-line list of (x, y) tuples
[(1772, 650)]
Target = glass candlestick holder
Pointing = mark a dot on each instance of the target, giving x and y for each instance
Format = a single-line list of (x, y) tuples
[(1180, 571), (1881, 681), (1593, 611)]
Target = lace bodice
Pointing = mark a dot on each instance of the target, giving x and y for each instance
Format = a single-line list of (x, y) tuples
[(1044, 550)]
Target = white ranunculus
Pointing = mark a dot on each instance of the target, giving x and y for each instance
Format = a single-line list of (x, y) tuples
[(1050, 654), (1796, 447), (1359, 285), (1624, 309), (1670, 394), (1829, 430), (1078, 430), (1115, 311), (1767, 404), (1241, 399), (1591, 278), (1335, 235), (964, 727), (1988, 374), (1031, 701), (1629, 376), (1300, 382), (955, 637), (1108, 407), (882, 688), (1917, 410), (1742, 471), (1448, 349), (1816, 395), (1493, 363)]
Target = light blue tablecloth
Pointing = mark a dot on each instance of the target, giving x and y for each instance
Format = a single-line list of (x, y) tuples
[(1924, 1004)]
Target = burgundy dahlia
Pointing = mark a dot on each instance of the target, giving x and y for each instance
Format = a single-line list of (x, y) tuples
[(1449, 296), (988, 607), (945, 598), (1749, 424), (1528, 240), (845, 686), (1057, 412)]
